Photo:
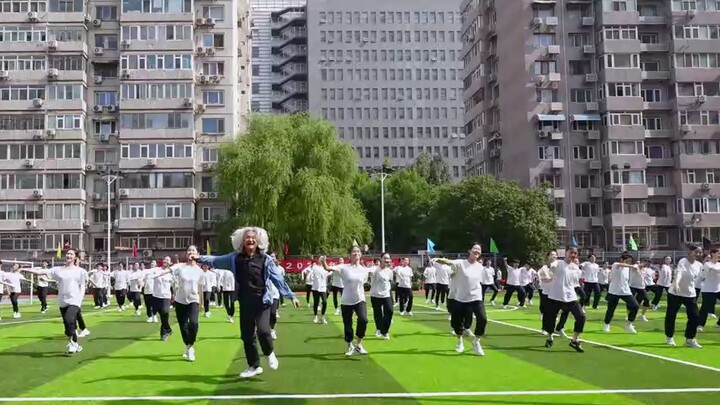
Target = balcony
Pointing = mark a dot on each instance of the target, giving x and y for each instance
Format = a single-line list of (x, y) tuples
[(685, 161), (161, 163), (67, 47), (622, 104), (619, 17), (624, 46), (659, 106), (654, 48), (66, 75), (30, 46), (662, 192), (593, 135), (153, 104), (134, 17), (169, 194), (145, 134), (660, 162), (597, 222), (65, 105), (136, 45), (659, 133), (696, 75), (655, 75), (622, 75), (652, 20), (159, 75), (155, 223), (28, 76)]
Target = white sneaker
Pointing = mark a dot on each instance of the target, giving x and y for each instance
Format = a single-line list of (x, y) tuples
[(644, 318), (713, 316), (70, 348), (350, 350), (185, 355), (700, 329), (460, 346), (385, 336), (670, 341), (120, 309), (17, 315), (410, 313), (155, 319), (324, 321), (149, 320), (655, 308), (316, 320), (191, 354), (544, 333), (273, 362), (83, 333), (529, 302), (137, 312), (337, 311), (360, 349), (492, 303), (606, 327), (78, 348), (402, 313), (693, 343), (97, 307), (377, 333), (273, 335), (449, 317), (477, 348), (437, 308), (230, 319), (309, 305), (468, 333), (251, 372), (207, 314), (630, 328), (506, 306), (277, 315)]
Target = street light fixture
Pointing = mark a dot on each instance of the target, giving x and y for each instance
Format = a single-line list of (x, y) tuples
[(383, 172), (109, 178)]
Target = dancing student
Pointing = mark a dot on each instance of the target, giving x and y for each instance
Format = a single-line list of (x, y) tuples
[(108, 285), (682, 292), (13, 279), (591, 286), (466, 276), (429, 281), (254, 271), (147, 292), (319, 277), (498, 279), (135, 287), (98, 279), (380, 286), (162, 280), (404, 276), (226, 280), (513, 283), (213, 288), (562, 295), (663, 281), (354, 276), (208, 277), (638, 287), (710, 289), (71, 280), (336, 285), (442, 287), (121, 285), (488, 281), (306, 274), (620, 290), (42, 288), (276, 297), (545, 278)]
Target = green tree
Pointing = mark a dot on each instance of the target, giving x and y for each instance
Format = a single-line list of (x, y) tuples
[(434, 170), (292, 176)]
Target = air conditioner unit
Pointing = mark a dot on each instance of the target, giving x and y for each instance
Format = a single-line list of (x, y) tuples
[(152, 162), (86, 223), (551, 21), (200, 21), (202, 196), (87, 19), (589, 49), (591, 77), (126, 74), (33, 16), (53, 72), (50, 133), (701, 99), (542, 134), (97, 196), (98, 79), (215, 78), (210, 50), (126, 43), (4, 74), (52, 45), (201, 50), (104, 137), (537, 21), (90, 167), (38, 102), (124, 192), (209, 21), (98, 108), (686, 128), (29, 163), (98, 50), (37, 193), (112, 108), (591, 106), (187, 102), (539, 80), (691, 13), (200, 108), (706, 186), (37, 137), (96, 23), (203, 79), (213, 195), (31, 224), (366, 39)]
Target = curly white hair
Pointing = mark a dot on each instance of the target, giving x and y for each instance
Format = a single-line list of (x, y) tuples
[(261, 236)]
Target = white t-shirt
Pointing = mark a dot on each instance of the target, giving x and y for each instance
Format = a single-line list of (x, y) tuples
[(590, 272), (664, 276), (442, 273), (565, 277), (208, 281), (648, 275), (121, 279), (545, 286), (336, 280), (712, 277), (354, 278), (381, 283), (619, 280), (42, 281), (135, 280), (514, 276), (687, 272), (318, 277), (14, 278), (404, 276), (226, 279), (466, 280), (162, 284), (637, 280), (604, 276), (488, 277), (190, 279), (307, 272), (71, 282), (147, 285), (527, 275), (429, 275), (98, 278), (699, 280)]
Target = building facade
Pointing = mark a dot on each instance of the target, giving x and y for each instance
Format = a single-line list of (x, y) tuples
[(388, 75), (613, 104), (136, 92), (279, 56)]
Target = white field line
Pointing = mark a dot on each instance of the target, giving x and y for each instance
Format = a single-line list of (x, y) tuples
[(50, 318), (366, 395)]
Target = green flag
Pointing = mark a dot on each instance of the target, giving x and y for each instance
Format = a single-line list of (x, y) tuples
[(493, 246), (632, 245), (355, 243)]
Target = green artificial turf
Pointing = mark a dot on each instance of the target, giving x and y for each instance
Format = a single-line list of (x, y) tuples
[(124, 357)]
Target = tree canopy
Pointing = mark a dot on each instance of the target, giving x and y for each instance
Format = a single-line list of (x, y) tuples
[(292, 176)]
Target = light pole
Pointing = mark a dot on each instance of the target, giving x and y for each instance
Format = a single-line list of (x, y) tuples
[(384, 173), (109, 179)]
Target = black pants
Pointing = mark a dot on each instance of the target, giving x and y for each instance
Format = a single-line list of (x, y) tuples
[(510, 289), (591, 289), (187, 317), (640, 296), (397, 293), (382, 313), (543, 302), (336, 291), (529, 291), (161, 306), (429, 291), (136, 297), (207, 297), (441, 292), (708, 306), (360, 311), (120, 296), (229, 299), (308, 291), (213, 293), (691, 309), (14, 302), (255, 316), (658, 291), (273, 312), (98, 297), (81, 321), (70, 320), (220, 296), (318, 297), (461, 316), (553, 307), (406, 299), (149, 307), (492, 287), (42, 293), (630, 302)]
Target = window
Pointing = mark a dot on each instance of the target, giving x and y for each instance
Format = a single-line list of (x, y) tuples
[(620, 33), (585, 181), (106, 98), (145, 151), (622, 119), (581, 95), (651, 95), (213, 68), (65, 122), (106, 13), (622, 61), (214, 97), (213, 126), (656, 152), (657, 209), (213, 40), (656, 180), (106, 41), (579, 39), (156, 61), (586, 210), (584, 152), (155, 120), (548, 152), (157, 180), (543, 40), (156, 91), (624, 177), (619, 5), (554, 181), (65, 92), (160, 7)]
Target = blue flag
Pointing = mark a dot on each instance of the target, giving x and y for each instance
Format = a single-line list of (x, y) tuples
[(430, 246), (574, 242)]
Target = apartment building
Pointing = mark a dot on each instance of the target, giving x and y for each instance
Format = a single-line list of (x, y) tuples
[(111, 112), (612, 103), (388, 75), (279, 56)]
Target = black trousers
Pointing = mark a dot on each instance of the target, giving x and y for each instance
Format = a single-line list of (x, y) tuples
[(255, 316), (161, 306), (429, 291), (273, 312), (213, 293), (594, 290), (187, 317), (492, 287), (308, 291), (543, 302), (441, 292), (81, 321), (14, 301), (70, 320), (658, 293), (553, 307), (510, 289), (336, 291), (318, 297), (397, 294), (229, 298), (136, 298), (360, 311), (406, 299), (708, 306), (120, 296), (149, 307), (641, 296), (382, 313), (461, 316), (220, 296), (529, 291), (98, 296), (42, 293), (630, 302), (691, 309)]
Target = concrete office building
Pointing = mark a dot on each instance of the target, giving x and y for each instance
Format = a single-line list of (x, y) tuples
[(146, 89), (279, 56), (613, 103), (388, 74)]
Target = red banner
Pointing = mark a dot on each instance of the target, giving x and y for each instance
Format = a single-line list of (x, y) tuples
[(297, 265)]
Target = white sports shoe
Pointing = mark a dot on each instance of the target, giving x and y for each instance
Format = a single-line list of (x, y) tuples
[(230, 319), (191, 354), (700, 329), (137, 312), (360, 349), (70, 348), (477, 348), (385, 336), (273, 335), (185, 355), (316, 320), (670, 341), (149, 320), (410, 313), (460, 346), (83, 333), (273, 362), (251, 372), (17, 315), (630, 328), (492, 303), (377, 333), (207, 314), (562, 333), (324, 321), (713, 316), (350, 350), (606, 327), (644, 318), (693, 343), (337, 311), (155, 319), (402, 313)]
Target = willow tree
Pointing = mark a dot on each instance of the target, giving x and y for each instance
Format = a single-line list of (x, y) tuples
[(292, 176)]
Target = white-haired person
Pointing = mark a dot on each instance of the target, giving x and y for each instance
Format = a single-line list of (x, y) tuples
[(71, 282), (254, 271)]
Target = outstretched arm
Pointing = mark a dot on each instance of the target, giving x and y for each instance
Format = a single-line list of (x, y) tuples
[(219, 262), (275, 275)]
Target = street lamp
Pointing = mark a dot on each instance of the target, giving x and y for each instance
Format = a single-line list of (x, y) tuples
[(383, 172), (109, 179)]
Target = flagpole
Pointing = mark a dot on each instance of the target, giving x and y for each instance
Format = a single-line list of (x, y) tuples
[(622, 211)]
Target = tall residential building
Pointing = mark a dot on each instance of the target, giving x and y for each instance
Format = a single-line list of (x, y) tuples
[(143, 90), (388, 74), (279, 56), (613, 103)]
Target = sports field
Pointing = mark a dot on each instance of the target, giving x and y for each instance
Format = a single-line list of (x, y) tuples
[(123, 359)]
